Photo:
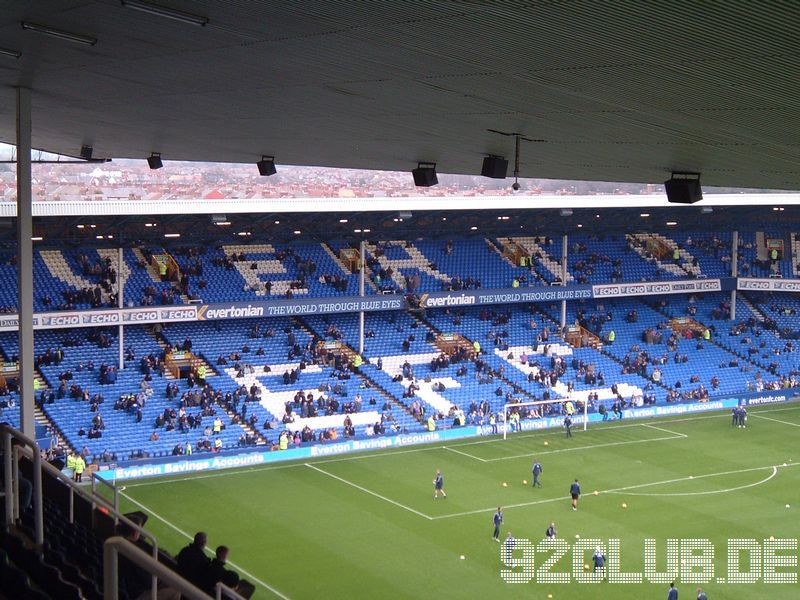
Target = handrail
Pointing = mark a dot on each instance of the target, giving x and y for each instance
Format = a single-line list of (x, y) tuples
[(223, 591), (41, 466), (95, 479), (114, 511), (12, 477), (116, 545)]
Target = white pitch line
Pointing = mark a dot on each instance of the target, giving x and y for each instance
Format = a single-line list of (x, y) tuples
[(706, 493), (601, 426), (782, 409), (464, 453), (692, 477), (543, 432), (590, 447), (292, 465), (162, 480), (370, 492), (775, 420), (664, 430), (617, 490), (208, 550), (505, 506), (393, 452)]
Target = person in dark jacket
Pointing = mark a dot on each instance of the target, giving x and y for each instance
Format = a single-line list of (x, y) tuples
[(193, 564)]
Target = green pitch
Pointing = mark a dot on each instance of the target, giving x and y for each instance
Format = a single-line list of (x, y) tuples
[(367, 526)]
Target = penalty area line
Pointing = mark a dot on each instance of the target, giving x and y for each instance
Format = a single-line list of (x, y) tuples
[(719, 414), (621, 490), (758, 416), (483, 460), (589, 447), (370, 492), (675, 433), (705, 493), (263, 584)]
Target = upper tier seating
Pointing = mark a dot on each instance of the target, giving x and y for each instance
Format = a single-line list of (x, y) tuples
[(429, 266), (264, 271), (68, 278), (755, 260)]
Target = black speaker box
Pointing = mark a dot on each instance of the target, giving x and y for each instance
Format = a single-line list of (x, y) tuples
[(495, 167), (266, 167), (683, 191), (425, 176), (154, 161)]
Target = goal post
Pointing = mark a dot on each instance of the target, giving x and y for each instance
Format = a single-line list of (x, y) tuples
[(541, 414)]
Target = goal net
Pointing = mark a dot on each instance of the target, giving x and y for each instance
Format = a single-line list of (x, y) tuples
[(543, 414)]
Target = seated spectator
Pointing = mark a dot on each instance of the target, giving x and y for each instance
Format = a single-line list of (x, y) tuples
[(193, 564), (218, 569)]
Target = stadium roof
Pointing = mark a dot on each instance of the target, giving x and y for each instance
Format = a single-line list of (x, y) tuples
[(252, 221), (606, 91)]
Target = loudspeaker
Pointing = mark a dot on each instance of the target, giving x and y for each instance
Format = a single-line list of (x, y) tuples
[(425, 176), (266, 166), (683, 191), (154, 161), (495, 167)]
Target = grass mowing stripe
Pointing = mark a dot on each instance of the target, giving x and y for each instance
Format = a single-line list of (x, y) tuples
[(353, 545), (290, 465), (505, 507), (208, 550), (393, 452), (535, 433), (706, 493), (370, 492), (626, 488), (464, 453), (775, 420), (664, 430), (691, 477), (589, 447)]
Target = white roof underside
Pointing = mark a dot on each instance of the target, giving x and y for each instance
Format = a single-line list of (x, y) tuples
[(608, 91)]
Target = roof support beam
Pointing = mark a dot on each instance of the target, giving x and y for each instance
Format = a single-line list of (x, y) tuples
[(25, 261)]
